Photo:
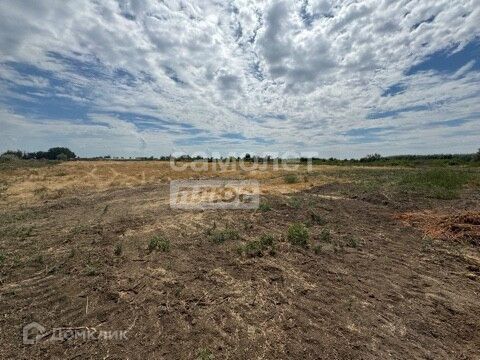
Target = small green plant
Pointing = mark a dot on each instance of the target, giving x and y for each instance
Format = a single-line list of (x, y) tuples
[(295, 202), (159, 243), (247, 225), (91, 270), (264, 207), (290, 179), (352, 242), (2, 258), (118, 249), (325, 236), (220, 236), (267, 240), (298, 234), (71, 254), (318, 249), (205, 354), (316, 219), (257, 247), (252, 248)]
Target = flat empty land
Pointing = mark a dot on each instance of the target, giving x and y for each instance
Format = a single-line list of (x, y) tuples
[(337, 263)]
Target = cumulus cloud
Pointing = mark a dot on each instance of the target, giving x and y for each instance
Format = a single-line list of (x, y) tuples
[(284, 75)]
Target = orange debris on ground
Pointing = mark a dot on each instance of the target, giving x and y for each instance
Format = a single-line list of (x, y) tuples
[(464, 226)]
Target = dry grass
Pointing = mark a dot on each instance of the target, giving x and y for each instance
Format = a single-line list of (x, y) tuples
[(460, 227), (28, 185)]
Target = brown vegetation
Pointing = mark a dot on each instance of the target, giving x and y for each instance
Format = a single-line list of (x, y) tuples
[(105, 251)]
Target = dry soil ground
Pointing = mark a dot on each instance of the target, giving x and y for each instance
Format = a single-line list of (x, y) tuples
[(74, 252)]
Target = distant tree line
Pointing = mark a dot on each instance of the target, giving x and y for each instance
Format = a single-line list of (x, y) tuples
[(63, 153), (377, 159), (55, 153)]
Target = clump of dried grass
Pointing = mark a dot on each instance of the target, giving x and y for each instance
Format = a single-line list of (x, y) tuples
[(460, 227)]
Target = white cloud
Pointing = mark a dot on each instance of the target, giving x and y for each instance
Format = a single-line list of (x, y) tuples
[(287, 71)]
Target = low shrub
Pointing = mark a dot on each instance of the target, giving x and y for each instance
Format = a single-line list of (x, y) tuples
[(316, 219), (205, 354), (220, 236), (295, 202), (159, 243), (290, 179), (91, 270), (325, 236), (258, 247), (298, 234), (352, 242), (264, 207)]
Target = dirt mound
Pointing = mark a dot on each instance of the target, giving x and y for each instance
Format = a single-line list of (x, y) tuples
[(464, 226)]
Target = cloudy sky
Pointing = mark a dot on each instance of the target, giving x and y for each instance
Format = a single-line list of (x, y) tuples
[(150, 77)]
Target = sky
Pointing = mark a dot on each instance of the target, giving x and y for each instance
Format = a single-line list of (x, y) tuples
[(328, 78)]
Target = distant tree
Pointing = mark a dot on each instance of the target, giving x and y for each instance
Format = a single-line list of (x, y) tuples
[(477, 155), (62, 157), (40, 155), (53, 153), (247, 157), (10, 155), (371, 158), (13, 153)]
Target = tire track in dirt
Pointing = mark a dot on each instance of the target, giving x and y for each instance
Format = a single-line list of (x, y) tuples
[(47, 297)]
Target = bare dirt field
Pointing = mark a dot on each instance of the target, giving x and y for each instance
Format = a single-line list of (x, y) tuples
[(390, 267)]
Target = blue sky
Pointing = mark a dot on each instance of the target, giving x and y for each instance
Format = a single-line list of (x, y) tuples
[(335, 78)]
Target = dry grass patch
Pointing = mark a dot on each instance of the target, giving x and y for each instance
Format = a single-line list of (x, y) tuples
[(461, 227)]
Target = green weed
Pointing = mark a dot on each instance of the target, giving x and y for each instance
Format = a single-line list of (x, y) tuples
[(295, 202), (91, 270), (298, 234), (257, 247), (264, 207), (352, 242), (325, 236), (220, 236), (205, 354), (316, 219), (159, 243), (290, 179)]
